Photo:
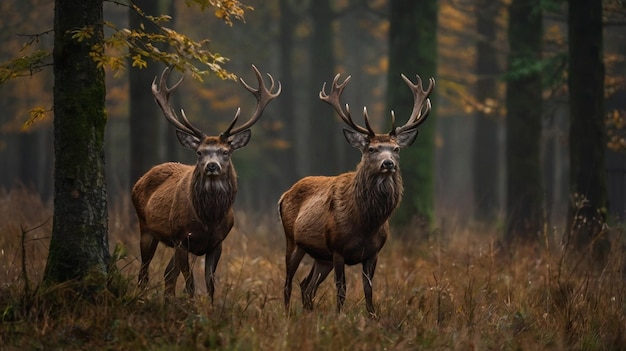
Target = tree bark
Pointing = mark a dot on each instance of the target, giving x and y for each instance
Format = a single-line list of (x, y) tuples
[(322, 69), (587, 138), (485, 154), (79, 243), (523, 125)]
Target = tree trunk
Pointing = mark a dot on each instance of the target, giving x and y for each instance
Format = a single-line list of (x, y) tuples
[(172, 148), (287, 156), (485, 154), (145, 117), (79, 243), (523, 124), (322, 157), (587, 139), (413, 50)]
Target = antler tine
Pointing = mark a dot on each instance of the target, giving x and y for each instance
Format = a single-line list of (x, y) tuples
[(162, 96), (263, 96), (393, 123), (333, 100), (421, 104), (370, 131), (188, 124), (232, 123)]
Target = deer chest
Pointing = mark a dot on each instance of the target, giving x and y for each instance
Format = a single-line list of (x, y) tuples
[(198, 239), (356, 251)]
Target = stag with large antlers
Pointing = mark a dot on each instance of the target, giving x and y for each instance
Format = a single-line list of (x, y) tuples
[(189, 207), (344, 219)]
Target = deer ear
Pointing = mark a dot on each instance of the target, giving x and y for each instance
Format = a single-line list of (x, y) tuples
[(407, 137), (240, 139), (188, 140), (355, 139)]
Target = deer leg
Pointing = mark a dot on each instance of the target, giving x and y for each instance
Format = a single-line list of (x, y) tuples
[(182, 261), (340, 280), (210, 264), (309, 286), (292, 262), (307, 300), (172, 271), (369, 266), (148, 245)]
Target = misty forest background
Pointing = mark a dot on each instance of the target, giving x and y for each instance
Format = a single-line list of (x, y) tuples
[(521, 161), (304, 44)]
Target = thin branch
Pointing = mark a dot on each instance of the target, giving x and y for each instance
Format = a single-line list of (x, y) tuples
[(25, 231)]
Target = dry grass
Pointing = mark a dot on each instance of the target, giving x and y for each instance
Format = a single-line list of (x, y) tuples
[(453, 291)]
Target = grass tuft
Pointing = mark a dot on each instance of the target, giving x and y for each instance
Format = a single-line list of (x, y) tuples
[(456, 289)]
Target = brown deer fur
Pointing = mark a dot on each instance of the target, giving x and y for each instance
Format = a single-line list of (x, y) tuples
[(344, 219), (179, 206), (188, 207)]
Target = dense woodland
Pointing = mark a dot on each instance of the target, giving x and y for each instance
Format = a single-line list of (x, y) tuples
[(509, 235), (300, 136), (496, 148)]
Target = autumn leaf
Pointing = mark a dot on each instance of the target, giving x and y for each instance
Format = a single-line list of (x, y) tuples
[(36, 114)]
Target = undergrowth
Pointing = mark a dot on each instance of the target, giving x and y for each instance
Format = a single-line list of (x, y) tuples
[(457, 289)]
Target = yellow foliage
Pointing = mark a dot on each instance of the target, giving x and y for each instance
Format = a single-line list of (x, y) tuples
[(615, 124), (82, 33), (139, 62), (36, 114)]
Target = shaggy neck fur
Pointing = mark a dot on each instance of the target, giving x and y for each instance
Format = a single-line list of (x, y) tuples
[(212, 197), (377, 195)]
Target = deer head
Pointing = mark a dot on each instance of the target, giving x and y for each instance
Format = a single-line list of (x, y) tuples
[(381, 150), (214, 152)]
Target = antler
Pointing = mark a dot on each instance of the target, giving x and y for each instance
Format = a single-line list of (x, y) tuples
[(333, 100), (162, 97), (263, 97), (421, 105)]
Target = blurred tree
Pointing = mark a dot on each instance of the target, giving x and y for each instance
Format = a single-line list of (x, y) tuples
[(25, 152), (171, 147), (587, 136), (524, 191), (615, 106), (287, 156), (322, 121), (79, 244), (413, 50), (145, 121), (485, 154)]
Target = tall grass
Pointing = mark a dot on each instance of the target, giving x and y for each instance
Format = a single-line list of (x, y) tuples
[(456, 289)]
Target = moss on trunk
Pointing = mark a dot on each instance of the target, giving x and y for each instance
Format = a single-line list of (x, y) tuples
[(79, 244)]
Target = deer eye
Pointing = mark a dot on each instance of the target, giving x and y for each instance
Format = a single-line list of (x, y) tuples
[(371, 149), (396, 149), (199, 153), (225, 152)]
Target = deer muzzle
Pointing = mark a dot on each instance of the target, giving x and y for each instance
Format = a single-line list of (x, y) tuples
[(388, 166), (212, 168)]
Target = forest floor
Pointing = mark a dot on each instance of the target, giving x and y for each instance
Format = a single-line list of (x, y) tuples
[(450, 290)]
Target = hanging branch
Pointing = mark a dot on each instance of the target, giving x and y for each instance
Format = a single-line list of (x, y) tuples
[(25, 231)]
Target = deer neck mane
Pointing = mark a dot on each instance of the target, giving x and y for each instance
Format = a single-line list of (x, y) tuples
[(212, 197), (376, 195)]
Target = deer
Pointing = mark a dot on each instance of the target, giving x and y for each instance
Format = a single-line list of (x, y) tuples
[(344, 219), (190, 207)]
